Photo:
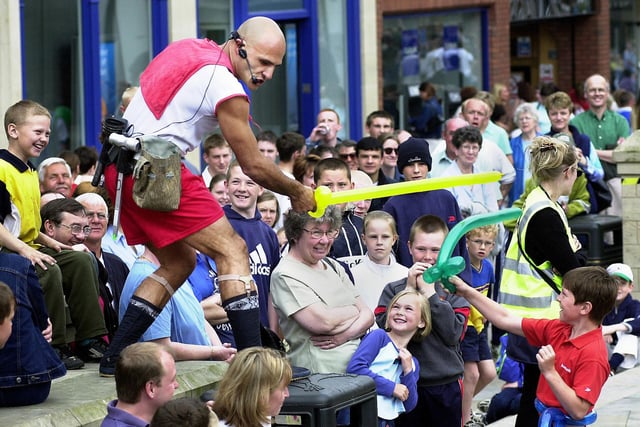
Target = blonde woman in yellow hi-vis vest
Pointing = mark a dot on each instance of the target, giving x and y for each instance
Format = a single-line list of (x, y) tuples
[(542, 249)]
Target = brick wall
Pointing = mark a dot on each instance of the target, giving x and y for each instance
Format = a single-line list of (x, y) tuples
[(499, 42), (592, 43)]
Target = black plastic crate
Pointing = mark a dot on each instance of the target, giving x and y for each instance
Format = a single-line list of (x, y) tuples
[(314, 401), (591, 230)]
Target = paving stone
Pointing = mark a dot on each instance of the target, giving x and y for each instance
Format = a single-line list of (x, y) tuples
[(618, 405)]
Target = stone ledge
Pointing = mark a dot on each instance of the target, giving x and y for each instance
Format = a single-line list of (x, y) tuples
[(80, 397), (627, 160)]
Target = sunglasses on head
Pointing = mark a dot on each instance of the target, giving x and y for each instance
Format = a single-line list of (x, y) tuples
[(390, 150)]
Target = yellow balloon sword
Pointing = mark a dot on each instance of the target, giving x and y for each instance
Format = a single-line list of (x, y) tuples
[(324, 197)]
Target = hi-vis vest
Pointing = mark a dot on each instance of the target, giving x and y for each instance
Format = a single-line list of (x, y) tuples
[(522, 290)]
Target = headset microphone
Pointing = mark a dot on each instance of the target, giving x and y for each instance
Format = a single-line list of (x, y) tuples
[(243, 54)]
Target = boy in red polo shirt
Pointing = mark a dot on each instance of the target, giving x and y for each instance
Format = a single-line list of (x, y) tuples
[(572, 358)]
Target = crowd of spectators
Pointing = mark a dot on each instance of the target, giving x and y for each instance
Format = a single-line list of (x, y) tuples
[(318, 285)]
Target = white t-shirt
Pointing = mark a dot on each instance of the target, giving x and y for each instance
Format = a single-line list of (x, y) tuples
[(371, 278), (184, 121), (284, 202)]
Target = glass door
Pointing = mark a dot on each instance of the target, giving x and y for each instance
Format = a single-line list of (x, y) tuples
[(275, 105)]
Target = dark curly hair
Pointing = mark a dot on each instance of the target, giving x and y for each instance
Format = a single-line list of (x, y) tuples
[(295, 222), (466, 134)]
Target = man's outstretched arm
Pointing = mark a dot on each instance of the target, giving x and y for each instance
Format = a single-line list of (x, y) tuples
[(233, 117)]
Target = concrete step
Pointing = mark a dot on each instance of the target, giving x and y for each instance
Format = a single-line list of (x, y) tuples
[(80, 397)]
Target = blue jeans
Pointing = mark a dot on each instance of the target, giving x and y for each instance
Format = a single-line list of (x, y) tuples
[(27, 362), (21, 396)]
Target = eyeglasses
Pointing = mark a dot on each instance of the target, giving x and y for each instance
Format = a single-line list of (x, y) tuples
[(76, 229), (481, 243), (348, 156), (470, 147), (390, 150), (317, 234)]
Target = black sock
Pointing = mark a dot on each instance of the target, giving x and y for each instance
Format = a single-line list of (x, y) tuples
[(139, 316), (244, 316), (615, 361)]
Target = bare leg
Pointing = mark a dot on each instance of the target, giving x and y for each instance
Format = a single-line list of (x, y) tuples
[(176, 263), (220, 242), (237, 291), (487, 369), (470, 379)]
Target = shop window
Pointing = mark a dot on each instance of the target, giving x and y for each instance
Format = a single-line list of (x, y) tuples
[(275, 106), (270, 5), (443, 49), (214, 19), (125, 48), (53, 68), (333, 61)]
